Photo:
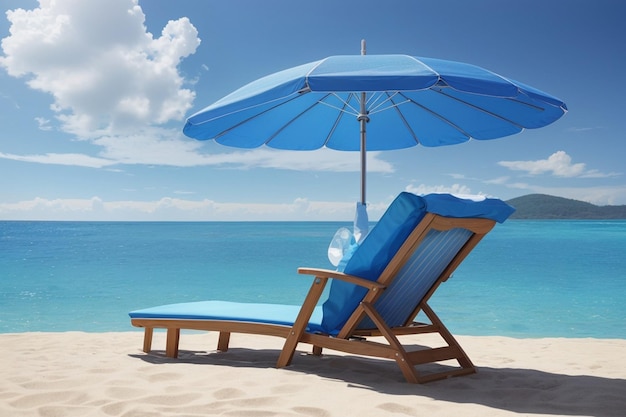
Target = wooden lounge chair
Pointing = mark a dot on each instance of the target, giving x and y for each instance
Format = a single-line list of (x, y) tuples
[(415, 246)]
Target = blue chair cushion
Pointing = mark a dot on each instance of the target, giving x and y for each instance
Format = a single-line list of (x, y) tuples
[(381, 244), (452, 206), (283, 315), (371, 258)]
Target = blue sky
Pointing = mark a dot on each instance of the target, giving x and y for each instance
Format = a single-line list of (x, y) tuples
[(93, 97)]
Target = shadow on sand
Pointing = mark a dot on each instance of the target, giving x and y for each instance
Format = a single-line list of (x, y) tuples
[(516, 390)]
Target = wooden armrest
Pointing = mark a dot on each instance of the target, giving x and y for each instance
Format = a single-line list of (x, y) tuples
[(328, 273)]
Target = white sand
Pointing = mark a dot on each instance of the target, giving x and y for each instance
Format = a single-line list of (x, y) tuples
[(106, 374)]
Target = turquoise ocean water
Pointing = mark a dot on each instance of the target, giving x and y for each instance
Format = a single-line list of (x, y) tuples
[(526, 279)]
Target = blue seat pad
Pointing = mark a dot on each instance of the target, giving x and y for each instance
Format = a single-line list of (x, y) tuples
[(279, 314)]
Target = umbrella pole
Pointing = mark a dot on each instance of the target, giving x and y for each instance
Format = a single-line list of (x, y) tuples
[(363, 119)]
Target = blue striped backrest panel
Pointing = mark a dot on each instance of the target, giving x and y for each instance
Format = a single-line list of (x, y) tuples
[(417, 276)]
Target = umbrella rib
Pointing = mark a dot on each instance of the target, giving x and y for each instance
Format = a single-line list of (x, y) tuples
[(225, 131), (293, 119), (373, 99), (337, 120), (377, 108), (440, 117), (487, 111), (354, 112), (406, 123)]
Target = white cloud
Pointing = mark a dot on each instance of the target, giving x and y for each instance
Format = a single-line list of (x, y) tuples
[(105, 72), (499, 180), (151, 146), (458, 176), (318, 160), (428, 189), (582, 129), (558, 164), (176, 209), (115, 84), (44, 124), (68, 159), (159, 146)]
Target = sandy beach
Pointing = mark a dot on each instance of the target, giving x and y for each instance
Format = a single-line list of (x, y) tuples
[(106, 374)]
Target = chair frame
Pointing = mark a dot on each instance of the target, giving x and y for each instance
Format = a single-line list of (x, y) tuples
[(351, 339)]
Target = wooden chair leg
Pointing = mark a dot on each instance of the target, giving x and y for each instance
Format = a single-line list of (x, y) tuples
[(463, 360), (147, 339), (222, 343), (289, 348), (401, 356), (171, 347), (299, 327), (317, 350)]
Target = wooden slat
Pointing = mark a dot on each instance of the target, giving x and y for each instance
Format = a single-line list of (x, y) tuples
[(439, 354), (400, 331), (463, 359), (327, 273), (356, 347), (217, 325)]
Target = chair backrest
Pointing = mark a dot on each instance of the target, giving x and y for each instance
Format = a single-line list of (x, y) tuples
[(411, 273), (417, 276)]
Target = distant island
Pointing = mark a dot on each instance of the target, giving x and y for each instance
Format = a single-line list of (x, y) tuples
[(542, 206)]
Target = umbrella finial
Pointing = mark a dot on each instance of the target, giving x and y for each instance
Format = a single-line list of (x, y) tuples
[(362, 46)]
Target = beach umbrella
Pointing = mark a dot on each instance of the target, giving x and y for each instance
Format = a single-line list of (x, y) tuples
[(373, 102)]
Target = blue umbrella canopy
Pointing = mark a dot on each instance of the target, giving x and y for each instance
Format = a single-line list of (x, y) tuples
[(374, 102), (408, 101)]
